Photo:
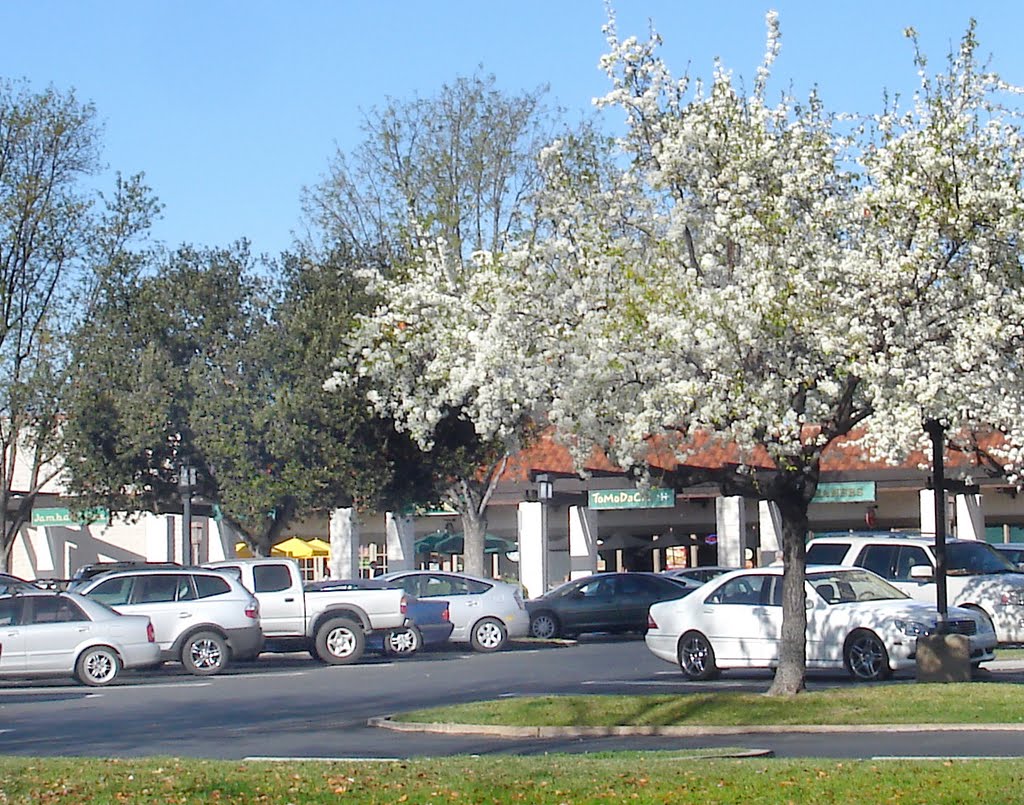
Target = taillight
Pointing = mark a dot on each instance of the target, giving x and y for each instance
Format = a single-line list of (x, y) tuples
[(444, 615), (519, 599), (253, 609), (404, 605), (650, 621), (150, 633)]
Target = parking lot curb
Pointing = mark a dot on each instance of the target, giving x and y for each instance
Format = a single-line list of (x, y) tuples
[(503, 731)]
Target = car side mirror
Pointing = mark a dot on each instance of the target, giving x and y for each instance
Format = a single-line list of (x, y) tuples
[(921, 573)]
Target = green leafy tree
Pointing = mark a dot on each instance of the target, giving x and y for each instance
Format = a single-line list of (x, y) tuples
[(57, 236), (206, 362), (145, 360)]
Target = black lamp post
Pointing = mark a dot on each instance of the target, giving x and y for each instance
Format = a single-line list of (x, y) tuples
[(186, 483), (937, 431)]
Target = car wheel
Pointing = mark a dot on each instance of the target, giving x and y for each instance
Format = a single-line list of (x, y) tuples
[(488, 635), (865, 657), (403, 641), (697, 657), (204, 654), (340, 641), (544, 625), (97, 666)]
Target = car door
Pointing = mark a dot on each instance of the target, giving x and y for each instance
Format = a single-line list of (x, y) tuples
[(634, 594), (52, 627), (12, 641), (590, 606), (463, 605), (282, 609), (155, 595), (743, 619), (893, 563)]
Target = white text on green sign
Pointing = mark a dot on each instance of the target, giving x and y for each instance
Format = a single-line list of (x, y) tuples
[(851, 492), (61, 516), (655, 498)]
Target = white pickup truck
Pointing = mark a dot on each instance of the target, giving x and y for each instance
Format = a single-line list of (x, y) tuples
[(332, 625)]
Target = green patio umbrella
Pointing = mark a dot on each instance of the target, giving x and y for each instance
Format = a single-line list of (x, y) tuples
[(455, 543)]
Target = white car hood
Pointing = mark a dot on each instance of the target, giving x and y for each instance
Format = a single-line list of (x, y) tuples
[(916, 610)]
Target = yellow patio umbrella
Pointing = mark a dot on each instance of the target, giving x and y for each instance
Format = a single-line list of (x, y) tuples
[(294, 547), (242, 551), (320, 547)]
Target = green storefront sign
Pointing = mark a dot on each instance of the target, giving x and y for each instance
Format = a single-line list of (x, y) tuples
[(632, 499), (62, 516), (850, 492)]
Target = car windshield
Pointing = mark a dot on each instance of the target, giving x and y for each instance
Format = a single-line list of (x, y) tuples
[(847, 586), (975, 559)]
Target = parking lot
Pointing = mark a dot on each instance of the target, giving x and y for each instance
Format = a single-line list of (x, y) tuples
[(291, 706)]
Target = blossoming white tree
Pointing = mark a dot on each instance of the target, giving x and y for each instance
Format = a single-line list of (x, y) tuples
[(767, 274)]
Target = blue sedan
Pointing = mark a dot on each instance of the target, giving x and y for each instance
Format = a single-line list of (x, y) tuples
[(428, 621)]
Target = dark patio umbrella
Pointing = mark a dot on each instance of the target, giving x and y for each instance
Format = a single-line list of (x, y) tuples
[(456, 544), (428, 542)]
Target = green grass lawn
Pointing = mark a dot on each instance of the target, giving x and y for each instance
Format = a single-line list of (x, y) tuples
[(660, 777), (901, 703)]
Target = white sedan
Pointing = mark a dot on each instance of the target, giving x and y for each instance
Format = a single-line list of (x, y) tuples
[(64, 634), (855, 620)]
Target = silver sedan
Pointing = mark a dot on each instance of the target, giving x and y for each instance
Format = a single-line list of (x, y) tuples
[(63, 634)]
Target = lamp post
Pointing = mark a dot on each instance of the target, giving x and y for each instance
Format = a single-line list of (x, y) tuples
[(937, 432), (186, 483)]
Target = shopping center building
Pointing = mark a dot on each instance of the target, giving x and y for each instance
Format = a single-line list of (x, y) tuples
[(546, 522)]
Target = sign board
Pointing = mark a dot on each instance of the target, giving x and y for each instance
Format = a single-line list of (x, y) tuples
[(60, 516), (851, 492), (653, 498)]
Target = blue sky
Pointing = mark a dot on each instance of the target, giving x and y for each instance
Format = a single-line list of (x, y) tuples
[(230, 108)]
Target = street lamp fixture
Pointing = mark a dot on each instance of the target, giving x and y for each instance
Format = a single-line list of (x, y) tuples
[(186, 483), (545, 488)]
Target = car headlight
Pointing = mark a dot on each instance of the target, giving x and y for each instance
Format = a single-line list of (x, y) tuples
[(913, 628)]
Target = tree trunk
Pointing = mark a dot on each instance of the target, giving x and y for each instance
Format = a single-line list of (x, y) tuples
[(474, 529), (790, 676)]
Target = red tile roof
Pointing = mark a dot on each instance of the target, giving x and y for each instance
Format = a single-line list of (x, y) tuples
[(548, 455)]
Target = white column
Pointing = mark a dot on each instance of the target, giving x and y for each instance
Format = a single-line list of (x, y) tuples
[(344, 531), (401, 539), (970, 517), (770, 528), (582, 541), (928, 513), (730, 521), (160, 540), (42, 549), (533, 547)]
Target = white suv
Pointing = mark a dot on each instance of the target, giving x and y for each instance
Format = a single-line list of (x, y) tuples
[(977, 576), (202, 618)]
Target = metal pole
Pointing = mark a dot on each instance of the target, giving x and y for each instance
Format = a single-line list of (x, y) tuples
[(936, 431), (186, 481)]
